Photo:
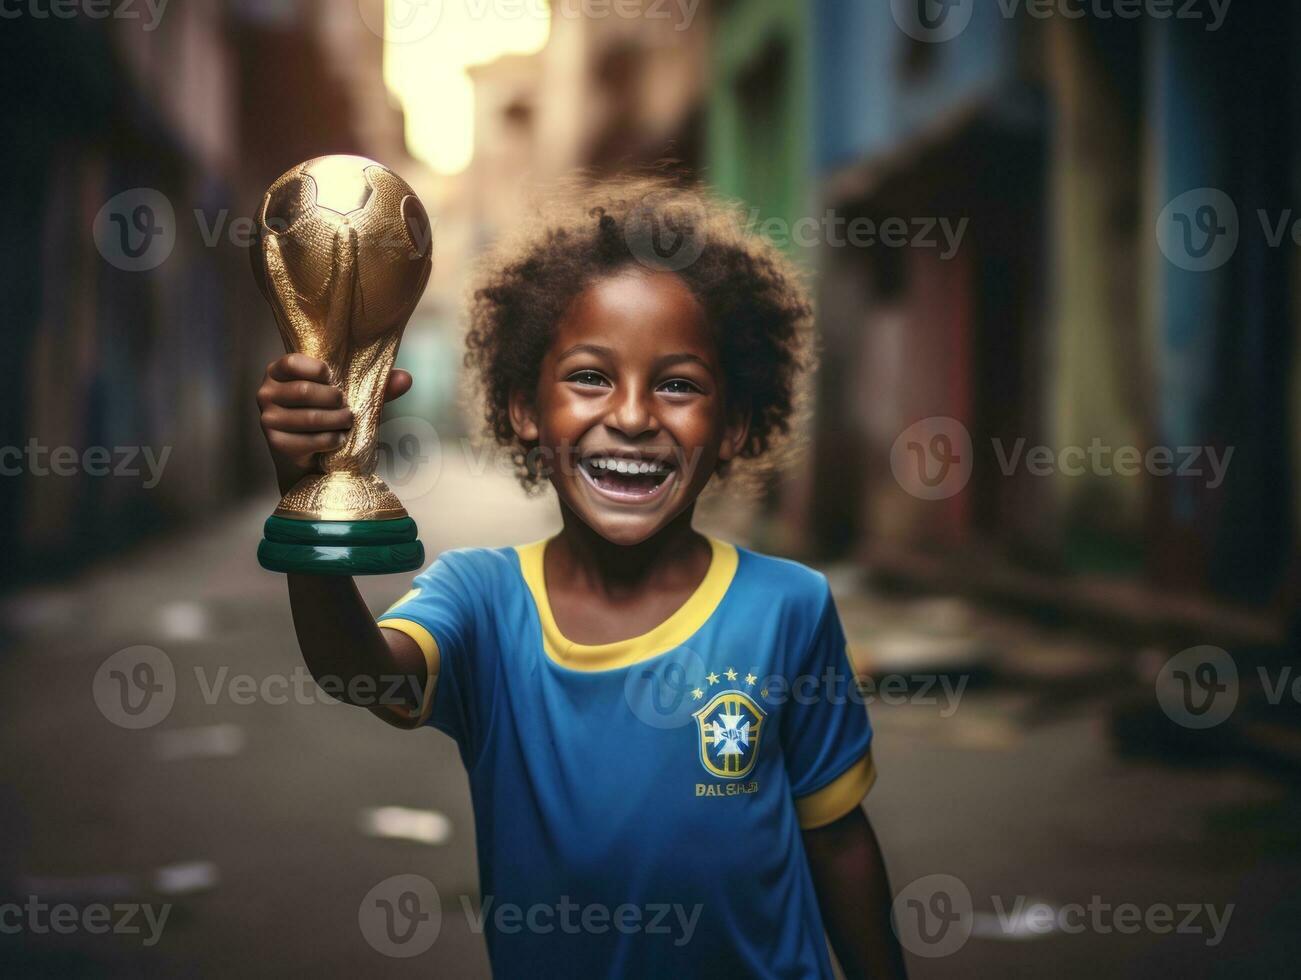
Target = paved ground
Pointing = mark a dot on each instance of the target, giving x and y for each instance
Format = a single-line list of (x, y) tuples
[(248, 818)]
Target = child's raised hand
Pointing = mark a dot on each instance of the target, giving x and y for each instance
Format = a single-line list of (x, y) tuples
[(304, 414)]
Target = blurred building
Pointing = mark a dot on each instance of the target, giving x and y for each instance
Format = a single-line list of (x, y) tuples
[(605, 94), (164, 134), (760, 124), (1057, 320)]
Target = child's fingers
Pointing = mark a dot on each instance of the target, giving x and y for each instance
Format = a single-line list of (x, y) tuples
[(299, 394), (399, 383), (301, 447), (298, 367), (307, 419)]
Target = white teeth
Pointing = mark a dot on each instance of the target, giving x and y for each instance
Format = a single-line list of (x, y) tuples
[(630, 466)]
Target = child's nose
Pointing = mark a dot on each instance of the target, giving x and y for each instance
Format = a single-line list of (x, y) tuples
[(631, 415)]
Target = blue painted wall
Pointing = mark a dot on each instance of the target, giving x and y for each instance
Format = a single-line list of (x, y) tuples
[(865, 102)]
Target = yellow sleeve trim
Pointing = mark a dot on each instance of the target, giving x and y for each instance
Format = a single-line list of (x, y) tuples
[(838, 797), (429, 647)]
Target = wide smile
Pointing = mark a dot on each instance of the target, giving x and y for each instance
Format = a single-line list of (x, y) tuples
[(628, 479)]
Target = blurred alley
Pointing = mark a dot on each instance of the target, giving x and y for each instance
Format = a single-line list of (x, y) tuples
[(254, 816), (1050, 462)]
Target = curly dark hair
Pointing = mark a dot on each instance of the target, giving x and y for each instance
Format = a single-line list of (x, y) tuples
[(753, 298)]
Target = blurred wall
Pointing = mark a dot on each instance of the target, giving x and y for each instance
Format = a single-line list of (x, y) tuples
[(1064, 318), (135, 336)]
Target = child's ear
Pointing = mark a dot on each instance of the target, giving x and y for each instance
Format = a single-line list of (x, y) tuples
[(734, 436), (523, 416)]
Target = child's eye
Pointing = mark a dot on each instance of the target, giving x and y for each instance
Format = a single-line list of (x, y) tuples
[(588, 378), (680, 386)]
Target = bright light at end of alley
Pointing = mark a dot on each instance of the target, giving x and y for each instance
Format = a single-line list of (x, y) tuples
[(429, 45)]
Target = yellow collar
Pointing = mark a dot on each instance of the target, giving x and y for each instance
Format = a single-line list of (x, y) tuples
[(671, 633)]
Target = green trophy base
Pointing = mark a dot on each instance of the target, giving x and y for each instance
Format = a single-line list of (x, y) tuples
[(340, 547)]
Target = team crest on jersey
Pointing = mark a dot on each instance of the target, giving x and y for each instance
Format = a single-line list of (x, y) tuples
[(729, 727)]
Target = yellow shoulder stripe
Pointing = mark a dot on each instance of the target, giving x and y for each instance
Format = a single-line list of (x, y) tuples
[(838, 797), (429, 647)]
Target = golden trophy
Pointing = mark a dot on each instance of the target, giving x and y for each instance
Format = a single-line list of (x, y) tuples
[(343, 252)]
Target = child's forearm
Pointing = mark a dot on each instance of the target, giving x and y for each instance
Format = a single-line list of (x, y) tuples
[(854, 895), (343, 648)]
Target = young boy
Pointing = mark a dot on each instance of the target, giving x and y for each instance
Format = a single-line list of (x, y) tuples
[(663, 752)]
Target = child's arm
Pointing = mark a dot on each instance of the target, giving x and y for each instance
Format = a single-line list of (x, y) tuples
[(854, 896), (349, 656), (352, 658)]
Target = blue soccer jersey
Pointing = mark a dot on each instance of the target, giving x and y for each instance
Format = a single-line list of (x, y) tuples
[(638, 805)]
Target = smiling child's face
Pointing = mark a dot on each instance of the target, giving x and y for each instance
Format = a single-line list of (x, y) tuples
[(629, 412)]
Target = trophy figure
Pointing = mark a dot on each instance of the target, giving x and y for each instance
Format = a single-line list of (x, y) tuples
[(343, 252)]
